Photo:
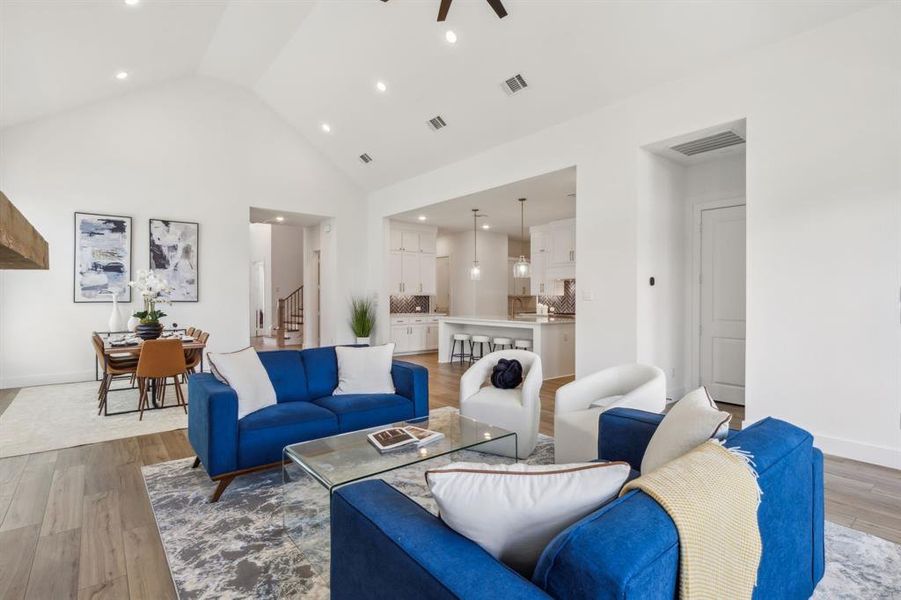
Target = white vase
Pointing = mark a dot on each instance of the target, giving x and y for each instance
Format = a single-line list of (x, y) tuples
[(115, 318), (363, 340), (133, 323)]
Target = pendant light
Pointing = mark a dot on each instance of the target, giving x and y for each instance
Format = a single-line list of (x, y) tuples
[(521, 268), (475, 272)]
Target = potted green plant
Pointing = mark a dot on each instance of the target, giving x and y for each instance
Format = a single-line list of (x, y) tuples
[(362, 318), (154, 290)]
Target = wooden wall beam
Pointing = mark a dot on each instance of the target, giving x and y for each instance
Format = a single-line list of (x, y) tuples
[(21, 246)]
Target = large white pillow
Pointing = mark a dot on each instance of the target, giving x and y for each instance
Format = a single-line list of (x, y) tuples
[(243, 371), (689, 423), (365, 370), (514, 511)]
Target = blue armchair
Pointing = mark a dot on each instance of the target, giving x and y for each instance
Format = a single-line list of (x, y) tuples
[(390, 547), (304, 381)]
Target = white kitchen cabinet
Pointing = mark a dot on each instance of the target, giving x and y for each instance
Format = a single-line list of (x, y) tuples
[(562, 243), (396, 272), (539, 260), (428, 242), (427, 278), (396, 239), (409, 241), (414, 335), (410, 272)]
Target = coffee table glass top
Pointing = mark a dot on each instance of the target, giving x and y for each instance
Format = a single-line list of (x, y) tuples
[(341, 459)]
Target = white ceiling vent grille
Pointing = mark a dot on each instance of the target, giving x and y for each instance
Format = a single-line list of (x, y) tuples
[(515, 84), (436, 123), (717, 141), (365, 158)]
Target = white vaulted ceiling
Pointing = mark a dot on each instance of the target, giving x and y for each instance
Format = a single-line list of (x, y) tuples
[(318, 62)]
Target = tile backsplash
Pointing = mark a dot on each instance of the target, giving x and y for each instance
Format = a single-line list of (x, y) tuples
[(565, 303), (409, 304)]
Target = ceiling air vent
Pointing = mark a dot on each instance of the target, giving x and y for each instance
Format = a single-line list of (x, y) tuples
[(436, 123), (365, 158), (717, 141), (515, 84)]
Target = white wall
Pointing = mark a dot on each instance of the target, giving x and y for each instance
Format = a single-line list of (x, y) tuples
[(488, 296), (194, 150), (824, 216)]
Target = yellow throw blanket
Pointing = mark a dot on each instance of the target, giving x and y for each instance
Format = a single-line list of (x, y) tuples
[(712, 495)]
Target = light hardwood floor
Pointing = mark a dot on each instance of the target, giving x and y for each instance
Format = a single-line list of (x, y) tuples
[(77, 523)]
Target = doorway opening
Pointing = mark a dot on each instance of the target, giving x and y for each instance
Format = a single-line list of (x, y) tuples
[(692, 261), (284, 279)]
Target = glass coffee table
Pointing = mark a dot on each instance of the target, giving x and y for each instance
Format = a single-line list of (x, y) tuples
[(312, 470)]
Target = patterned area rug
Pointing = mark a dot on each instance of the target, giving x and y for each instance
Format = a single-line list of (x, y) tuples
[(238, 548), (50, 417)]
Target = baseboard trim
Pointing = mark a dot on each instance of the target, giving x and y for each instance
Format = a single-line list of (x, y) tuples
[(885, 456), (47, 379)]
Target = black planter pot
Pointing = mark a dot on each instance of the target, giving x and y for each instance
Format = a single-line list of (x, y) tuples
[(149, 331)]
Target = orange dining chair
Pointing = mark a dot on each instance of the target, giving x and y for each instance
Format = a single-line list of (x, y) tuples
[(160, 360), (114, 365)]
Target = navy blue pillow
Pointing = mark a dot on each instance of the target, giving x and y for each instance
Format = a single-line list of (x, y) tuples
[(507, 374)]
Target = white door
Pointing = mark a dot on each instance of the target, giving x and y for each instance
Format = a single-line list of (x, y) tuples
[(427, 274), (410, 270), (442, 285), (722, 306)]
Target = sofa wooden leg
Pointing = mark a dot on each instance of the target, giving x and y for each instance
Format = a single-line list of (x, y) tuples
[(223, 483), (196, 462)]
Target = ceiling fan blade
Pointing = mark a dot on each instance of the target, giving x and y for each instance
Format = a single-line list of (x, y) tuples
[(498, 8), (442, 10)]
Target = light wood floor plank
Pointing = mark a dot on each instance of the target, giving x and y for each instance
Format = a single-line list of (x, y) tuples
[(55, 570), (30, 498), (63, 510), (116, 589), (102, 552), (17, 547)]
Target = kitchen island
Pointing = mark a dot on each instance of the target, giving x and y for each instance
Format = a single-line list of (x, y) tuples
[(553, 338)]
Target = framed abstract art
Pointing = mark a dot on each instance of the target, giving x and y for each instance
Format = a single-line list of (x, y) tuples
[(174, 256), (102, 258)]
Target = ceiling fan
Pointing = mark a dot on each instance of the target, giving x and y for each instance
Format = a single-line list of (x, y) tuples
[(445, 6)]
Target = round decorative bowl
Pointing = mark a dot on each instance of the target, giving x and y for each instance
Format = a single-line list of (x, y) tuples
[(149, 331)]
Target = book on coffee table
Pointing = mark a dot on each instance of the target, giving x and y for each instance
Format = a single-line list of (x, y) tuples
[(392, 438)]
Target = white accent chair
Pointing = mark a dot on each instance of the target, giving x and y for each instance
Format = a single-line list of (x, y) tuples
[(516, 410), (578, 405)]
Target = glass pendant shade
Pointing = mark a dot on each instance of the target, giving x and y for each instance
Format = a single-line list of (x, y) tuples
[(475, 272), (522, 269)]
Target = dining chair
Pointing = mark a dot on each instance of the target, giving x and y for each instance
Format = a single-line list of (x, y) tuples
[(160, 360), (193, 357), (114, 365), (191, 331)]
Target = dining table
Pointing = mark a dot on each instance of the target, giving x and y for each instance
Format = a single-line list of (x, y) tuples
[(133, 347)]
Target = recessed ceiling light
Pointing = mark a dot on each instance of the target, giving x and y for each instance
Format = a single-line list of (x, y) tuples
[(486, 226), (450, 36), (326, 128), (122, 75), (132, 2), (380, 86), (421, 217), (279, 219)]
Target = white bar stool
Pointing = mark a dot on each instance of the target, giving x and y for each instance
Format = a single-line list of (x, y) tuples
[(523, 344), (481, 340), (501, 343), (463, 338)]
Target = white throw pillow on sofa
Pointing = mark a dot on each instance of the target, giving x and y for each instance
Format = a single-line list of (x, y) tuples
[(243, 371), (514, 511), (689, 423), (365, 370)]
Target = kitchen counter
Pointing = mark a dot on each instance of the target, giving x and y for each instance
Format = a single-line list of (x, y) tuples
[(553, 338)]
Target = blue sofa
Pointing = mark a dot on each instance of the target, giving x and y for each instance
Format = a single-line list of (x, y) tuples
[(390, 547), (304, 381)]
